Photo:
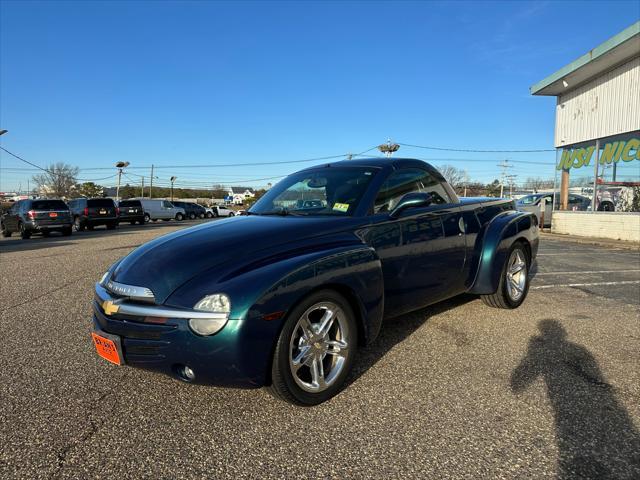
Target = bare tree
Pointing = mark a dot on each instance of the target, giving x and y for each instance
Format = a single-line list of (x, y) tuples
[(537, 183), (455, 176), (57, 180)]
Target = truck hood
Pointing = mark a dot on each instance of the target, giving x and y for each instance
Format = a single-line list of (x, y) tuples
[(166, 263)]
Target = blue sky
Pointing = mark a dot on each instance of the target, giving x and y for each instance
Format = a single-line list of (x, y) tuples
[(191, 83)]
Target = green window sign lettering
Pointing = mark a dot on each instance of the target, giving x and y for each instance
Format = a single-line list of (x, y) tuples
[(612, 152)]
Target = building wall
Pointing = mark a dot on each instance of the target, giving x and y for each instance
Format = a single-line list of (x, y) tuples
[(608, 105), (611, 225)]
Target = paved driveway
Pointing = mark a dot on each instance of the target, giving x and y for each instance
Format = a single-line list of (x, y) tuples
[(457, 390)]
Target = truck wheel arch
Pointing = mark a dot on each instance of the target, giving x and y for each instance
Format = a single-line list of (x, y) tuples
[(500, 234)]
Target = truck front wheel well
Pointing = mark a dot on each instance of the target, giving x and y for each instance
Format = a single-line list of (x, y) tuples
[(354, 303)]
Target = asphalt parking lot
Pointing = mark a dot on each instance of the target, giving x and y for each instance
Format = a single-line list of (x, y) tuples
[(457, 390)]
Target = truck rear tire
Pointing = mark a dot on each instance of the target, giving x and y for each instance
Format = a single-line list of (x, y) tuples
[(514, 280)]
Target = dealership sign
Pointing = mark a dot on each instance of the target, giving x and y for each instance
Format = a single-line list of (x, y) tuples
[(612, 152)]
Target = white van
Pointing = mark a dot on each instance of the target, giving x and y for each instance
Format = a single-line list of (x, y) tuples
[(161, 210)]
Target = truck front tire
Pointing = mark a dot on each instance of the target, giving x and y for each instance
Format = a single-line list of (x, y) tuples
[(315, 350)]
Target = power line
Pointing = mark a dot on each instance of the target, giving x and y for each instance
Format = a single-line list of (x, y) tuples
[(475, 151)]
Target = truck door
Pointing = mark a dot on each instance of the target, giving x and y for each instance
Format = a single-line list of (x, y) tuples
[(423, 251)]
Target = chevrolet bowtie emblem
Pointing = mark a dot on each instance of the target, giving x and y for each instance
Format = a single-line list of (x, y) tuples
[(109, 307)]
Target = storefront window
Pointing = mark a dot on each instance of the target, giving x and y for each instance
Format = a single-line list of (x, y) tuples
[(601, 175)]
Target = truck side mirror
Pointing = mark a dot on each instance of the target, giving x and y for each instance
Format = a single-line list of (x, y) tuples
[(411, 200)]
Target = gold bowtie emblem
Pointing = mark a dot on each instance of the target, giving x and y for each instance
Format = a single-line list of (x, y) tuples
[(109, 307)]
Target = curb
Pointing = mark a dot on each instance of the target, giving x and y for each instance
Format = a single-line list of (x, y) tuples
[(604, 242)]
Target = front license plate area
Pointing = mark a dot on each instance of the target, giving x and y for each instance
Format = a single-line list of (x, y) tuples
[(108, 347)]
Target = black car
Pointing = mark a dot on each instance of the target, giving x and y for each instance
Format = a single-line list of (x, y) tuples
[(131, 211), (37, 216), (192, 210), (91, 212)]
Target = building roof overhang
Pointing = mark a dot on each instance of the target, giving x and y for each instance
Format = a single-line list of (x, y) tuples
[(606, 56)]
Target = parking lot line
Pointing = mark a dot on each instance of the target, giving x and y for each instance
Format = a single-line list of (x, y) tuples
[(583, 272), (624, 282)]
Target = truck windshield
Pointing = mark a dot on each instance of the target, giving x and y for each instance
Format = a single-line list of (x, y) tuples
[(326, 191)]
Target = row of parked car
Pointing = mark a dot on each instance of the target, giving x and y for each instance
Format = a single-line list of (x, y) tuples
[(44, 216)]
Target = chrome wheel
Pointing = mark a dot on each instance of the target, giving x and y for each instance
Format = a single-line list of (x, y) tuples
[(516, 275), (319, 347)]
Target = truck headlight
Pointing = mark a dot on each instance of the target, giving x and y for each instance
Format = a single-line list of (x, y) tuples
[(218, 304)]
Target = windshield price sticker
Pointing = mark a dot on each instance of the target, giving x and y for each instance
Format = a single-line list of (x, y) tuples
[(341, 207)]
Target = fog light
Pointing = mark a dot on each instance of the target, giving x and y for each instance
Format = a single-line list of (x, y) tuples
[(188, 373)]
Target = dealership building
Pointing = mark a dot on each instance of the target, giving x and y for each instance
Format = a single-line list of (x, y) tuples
[(597, 138)]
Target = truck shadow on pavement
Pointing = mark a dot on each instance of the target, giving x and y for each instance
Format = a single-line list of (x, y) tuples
[(595, 435), (395, 330)]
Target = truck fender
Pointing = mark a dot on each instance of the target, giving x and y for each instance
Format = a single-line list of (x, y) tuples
[(496, 239), (354, 271)]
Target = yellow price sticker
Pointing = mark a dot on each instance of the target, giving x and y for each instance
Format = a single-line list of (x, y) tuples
[(341, 207)]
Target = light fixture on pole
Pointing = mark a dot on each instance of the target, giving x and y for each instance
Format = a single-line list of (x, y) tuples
[(173, 179), (120, 166), (389, 148)]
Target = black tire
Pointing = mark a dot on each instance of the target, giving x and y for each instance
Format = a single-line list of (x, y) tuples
[(111, 226), (67, 231), (201, 216), (502, 298), (283, 384), (231, 214), (24, 233), (192, 216), (606, 207), (78, 225), (179, 217), (209, 215), (147, 218), (5, 233)]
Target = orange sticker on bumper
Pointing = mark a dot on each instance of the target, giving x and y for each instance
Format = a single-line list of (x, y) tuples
[(106, 349)]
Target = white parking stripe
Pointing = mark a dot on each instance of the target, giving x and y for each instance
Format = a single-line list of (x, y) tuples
[(587, 272), (628, 282), (618, 252)]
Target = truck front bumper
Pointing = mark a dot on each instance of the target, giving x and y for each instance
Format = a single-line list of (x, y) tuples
[(166, 344)]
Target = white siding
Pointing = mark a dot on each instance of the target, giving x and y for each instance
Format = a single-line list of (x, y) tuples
[(607, 105)]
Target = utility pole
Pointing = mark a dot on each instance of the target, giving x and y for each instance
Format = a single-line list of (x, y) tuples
[(151, 181), (511, 179), (173, 179), (120, 166), (142, 189), (505, 166)]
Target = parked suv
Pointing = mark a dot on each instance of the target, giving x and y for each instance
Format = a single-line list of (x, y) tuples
[(193, 210), (131, 211), (161, 210), (91, 212), (37, 216)]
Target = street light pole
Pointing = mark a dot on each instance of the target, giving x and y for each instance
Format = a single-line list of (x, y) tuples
[(120, 166), (173, 179)]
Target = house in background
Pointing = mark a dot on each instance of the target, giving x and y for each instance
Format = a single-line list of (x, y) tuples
[(238, 195)]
